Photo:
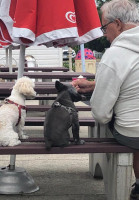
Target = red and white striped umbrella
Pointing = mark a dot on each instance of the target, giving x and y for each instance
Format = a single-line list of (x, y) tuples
[(53, 23), (6, 20)]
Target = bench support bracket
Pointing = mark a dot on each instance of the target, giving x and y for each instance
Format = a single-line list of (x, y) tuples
[(116, 168)]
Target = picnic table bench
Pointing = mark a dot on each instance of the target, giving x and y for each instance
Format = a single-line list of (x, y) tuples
[(107, 158), (92, 145), (119, 160)]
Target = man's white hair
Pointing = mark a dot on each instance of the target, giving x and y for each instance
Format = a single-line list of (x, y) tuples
[(125, 10)]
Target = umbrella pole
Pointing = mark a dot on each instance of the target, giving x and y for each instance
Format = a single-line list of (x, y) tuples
[(10, 58), (21, 61), (20, 74), (12, 162), (7, 59), (82, 57), (70, 59)]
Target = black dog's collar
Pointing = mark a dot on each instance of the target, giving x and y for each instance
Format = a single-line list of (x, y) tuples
[(69, 109)]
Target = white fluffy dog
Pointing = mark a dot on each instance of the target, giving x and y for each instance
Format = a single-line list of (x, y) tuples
[(13, 112)]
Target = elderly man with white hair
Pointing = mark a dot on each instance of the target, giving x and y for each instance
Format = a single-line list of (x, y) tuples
[(115, 98)]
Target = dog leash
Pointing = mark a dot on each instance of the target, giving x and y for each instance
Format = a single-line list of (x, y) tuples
[(7, 101)]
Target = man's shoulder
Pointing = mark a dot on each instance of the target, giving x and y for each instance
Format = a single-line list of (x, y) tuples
[(112, 51)]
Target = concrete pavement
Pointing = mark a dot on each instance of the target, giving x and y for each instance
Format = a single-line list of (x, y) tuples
[(60, 177)]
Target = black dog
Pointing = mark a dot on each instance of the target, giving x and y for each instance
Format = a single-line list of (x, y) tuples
[(61, 116)]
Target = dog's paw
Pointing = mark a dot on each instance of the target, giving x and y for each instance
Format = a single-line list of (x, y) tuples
[(82, 142), (4, 143), (14, 143), (24, 136), (79, 142)]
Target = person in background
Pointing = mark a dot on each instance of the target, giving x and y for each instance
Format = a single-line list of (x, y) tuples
[(115, 98)]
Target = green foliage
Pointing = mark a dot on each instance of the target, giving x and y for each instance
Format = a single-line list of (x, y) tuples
[(99, 44), (76, 49), (100, 3), (66, 64)]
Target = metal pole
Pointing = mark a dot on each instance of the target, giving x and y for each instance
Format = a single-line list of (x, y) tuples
[(20, 74), (12, 162), (82, 57), (70, 59), (21, 61), (10, 59), (7, 57)]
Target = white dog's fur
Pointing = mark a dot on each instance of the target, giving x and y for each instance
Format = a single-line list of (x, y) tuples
[(10, 132)]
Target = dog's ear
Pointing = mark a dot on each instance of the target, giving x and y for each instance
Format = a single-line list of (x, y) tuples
[(25, 88), (60, 86)]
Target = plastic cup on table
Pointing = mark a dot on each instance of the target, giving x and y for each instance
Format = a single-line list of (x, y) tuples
[(79, 77)]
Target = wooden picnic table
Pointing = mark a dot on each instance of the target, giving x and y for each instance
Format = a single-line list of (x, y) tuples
[(48, 75), (43, 69)]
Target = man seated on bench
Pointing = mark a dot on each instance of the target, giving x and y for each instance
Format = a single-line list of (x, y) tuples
[(115, 98)]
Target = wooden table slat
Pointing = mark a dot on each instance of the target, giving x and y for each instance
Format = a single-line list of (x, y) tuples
[(43, 69), (39, 121), (47, 75)]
